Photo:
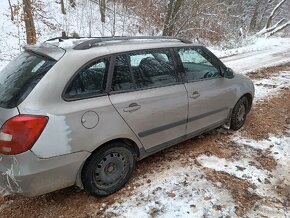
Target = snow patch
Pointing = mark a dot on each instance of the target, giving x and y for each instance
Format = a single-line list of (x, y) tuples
[(268, 87), (266, 181), (258, 44), (177, 191)]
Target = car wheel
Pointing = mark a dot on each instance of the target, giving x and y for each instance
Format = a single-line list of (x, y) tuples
[(239, 114), (108, 170)]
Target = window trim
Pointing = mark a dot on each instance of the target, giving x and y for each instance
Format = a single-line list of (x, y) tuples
[(181, 75), (214, 61), (70, 99), (127, 53)]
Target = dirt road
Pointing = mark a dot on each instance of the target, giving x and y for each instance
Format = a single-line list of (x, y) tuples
[(251, 61)]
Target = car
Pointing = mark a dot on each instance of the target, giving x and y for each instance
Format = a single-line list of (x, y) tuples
[(82, 111)]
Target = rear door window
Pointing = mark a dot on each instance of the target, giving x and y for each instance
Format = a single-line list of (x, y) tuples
[(144, 69), (90, 81), (153, 69), (20, 76)]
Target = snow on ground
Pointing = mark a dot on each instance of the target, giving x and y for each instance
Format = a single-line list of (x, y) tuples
[(247, 62), (179, 190), (264, 180), (254, 45), (261, 53), (271, 86)]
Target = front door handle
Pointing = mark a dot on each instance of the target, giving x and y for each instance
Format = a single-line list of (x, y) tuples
[(194, 95), (132, 107)]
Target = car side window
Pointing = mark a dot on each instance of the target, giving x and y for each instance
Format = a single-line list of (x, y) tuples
[(197, 65), (90, 81), (122, 79), (153, 69)]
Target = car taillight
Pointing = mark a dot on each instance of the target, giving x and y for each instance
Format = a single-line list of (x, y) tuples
[(20, 133)]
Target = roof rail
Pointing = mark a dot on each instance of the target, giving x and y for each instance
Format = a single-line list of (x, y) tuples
[(94, 40), (61, 38)]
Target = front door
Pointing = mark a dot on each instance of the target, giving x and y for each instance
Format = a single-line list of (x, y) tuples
[(148, 95), (210, 95)]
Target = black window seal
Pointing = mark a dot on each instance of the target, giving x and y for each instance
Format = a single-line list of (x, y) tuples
[(77, 98), (127, 53), (143, 89), (213, 60)]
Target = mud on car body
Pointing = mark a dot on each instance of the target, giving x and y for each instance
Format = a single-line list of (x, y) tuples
[(82, 111)]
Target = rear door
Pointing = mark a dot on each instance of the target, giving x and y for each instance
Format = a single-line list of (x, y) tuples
[(148, 94), (209, 94)]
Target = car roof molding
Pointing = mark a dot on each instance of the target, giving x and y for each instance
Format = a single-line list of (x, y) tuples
[(91, 42), (63, 38)]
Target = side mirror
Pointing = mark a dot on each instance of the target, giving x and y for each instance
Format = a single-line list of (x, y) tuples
[(228, 73)]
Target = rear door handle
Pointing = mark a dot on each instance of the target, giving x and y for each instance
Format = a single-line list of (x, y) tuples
[(132, 107), (194, 95)]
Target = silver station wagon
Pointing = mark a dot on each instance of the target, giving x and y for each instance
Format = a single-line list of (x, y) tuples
[(82, 111)]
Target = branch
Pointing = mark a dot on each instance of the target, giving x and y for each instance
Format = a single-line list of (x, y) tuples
[(278, 29), (266, 30), (269, 21)]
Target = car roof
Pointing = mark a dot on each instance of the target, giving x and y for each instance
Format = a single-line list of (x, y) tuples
[(56, 47)]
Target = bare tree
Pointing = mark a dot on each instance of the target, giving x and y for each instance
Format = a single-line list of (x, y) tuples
[(29, 22), (62, 7), (270, 29), (102, 5), (11, 10), (171, 16), (254, 19)]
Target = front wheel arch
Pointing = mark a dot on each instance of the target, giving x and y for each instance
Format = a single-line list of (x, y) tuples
[(239, 113)]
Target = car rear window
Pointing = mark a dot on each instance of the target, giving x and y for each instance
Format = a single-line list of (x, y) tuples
[(20, 76)]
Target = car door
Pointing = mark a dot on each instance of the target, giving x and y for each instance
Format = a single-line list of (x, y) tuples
[(149, 96), (210, 95)]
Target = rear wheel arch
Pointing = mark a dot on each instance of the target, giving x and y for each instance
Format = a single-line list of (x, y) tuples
[(126, 141), (109, 167)]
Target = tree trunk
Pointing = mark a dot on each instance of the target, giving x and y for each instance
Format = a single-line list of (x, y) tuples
[(62, 7), (29, 22), (102, 5), (171, 16), (253, 23), (11, 10)]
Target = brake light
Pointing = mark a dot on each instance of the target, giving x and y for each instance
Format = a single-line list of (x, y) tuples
[(20, 133)]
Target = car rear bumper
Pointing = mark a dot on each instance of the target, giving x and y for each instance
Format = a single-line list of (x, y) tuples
[(28, 175)]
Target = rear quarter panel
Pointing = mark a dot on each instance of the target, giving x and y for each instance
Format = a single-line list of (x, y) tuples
[(64, 132)]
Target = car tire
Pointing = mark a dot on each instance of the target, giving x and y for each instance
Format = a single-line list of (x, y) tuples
[(239, 114), (108, 170)]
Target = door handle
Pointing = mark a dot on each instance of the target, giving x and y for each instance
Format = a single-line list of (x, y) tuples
[(194, 95), (132, 107)]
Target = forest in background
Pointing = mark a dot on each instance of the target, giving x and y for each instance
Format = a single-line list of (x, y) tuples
[(208, 21)]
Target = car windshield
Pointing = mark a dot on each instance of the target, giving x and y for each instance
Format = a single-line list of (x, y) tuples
[(20, 76)]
